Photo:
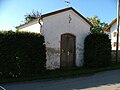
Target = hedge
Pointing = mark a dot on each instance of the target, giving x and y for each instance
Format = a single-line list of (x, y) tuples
[(21, 54), (97, 50)]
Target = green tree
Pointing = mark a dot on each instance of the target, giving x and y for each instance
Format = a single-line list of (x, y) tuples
[(98, 26), (31, 16)]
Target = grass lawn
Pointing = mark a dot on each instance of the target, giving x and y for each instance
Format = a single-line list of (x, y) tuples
[(67, 73)]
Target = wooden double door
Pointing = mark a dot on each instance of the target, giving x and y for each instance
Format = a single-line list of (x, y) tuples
[(68, 49)]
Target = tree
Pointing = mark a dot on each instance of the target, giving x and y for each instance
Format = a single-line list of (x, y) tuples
[(98, 26), (32, 16)]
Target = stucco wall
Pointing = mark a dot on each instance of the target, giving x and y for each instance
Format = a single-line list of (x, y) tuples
[(58, 24), (32, 26)]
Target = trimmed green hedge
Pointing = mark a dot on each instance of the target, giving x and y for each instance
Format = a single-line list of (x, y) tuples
[(21, 54), (97, 50)]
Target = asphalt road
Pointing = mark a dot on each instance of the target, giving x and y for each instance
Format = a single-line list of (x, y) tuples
[(109, 80)]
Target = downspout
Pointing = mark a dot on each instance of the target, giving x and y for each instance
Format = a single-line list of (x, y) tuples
[(40, 21)]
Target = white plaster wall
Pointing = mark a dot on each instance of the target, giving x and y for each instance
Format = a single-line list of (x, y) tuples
[(113, 39), (58, 24), (32, 26)]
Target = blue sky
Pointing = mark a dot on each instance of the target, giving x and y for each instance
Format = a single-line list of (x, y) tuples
[(12, 11)]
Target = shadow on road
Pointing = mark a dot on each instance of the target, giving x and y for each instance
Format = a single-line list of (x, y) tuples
[(97, 80), (108, 78)]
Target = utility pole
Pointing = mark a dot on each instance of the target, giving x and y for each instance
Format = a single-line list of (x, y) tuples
[(117, 44)]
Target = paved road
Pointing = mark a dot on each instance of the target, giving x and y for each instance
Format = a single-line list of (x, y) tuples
[(109, 80)]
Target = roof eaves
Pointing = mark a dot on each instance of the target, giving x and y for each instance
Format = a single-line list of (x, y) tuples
[(17, 27), (109, 26), (70, 8), (55, 12), (82, 17), (59, 11)]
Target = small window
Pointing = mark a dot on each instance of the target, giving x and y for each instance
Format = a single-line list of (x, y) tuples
[(119, 44), (114, 34), (114, 44)]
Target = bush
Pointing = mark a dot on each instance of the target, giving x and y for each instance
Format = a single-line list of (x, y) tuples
[(21, 54), (97, 52)]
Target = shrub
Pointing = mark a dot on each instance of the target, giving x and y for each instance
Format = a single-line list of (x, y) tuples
[(21, 54), (97, 50)]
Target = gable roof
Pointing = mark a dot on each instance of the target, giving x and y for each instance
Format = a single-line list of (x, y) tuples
[(60, 11), (109, 26)]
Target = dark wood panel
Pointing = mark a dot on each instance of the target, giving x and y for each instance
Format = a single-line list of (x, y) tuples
[(67, 50)]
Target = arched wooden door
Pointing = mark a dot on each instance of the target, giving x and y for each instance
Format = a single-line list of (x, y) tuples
[(68, 46)]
